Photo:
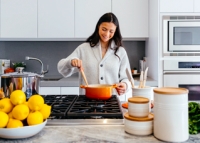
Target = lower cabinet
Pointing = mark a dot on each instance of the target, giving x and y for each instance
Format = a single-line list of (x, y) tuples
[(69, 90), (59, 90), (49, 90)]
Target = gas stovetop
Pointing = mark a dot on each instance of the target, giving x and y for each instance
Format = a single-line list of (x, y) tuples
[(77, 109)]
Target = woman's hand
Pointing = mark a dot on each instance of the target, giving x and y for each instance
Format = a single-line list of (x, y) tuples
[(76, 63), (121, 88)]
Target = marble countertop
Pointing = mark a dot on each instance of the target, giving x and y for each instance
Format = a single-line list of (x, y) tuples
[(90, 133)]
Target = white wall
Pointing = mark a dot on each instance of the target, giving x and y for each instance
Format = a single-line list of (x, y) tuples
[(152, 43)]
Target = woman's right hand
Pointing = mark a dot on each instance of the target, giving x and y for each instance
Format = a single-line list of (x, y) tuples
[(76, 63)]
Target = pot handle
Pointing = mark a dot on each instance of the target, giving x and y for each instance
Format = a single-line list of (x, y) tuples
[(114, 85), (83, 86)]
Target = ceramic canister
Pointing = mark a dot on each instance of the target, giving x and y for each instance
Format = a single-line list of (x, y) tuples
[(138, 106), (138, 126), (171, 114), (146, 92)]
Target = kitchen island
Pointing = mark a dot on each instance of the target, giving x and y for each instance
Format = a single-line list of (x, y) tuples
[(90, 133)]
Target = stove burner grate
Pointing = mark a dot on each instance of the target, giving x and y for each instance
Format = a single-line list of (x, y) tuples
[(60, 104), (87, 108)]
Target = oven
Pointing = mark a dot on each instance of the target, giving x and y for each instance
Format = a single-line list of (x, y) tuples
[(183, 74)]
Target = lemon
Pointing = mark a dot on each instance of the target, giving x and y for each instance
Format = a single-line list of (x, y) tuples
[(20, 112), (35, 102), (3, 119), (17, 97), (26, 103), (14, 123), (10, 115), (35, 118), (6, 105), (46, 111)]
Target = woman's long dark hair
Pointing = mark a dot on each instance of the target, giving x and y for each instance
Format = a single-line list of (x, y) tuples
[(107, 17)]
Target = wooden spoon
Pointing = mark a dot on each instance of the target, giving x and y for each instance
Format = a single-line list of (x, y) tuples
[(83, 75)]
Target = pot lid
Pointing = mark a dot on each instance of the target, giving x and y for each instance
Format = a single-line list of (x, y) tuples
[(171, 90), (138, 99), (143, 119), (17, 74)]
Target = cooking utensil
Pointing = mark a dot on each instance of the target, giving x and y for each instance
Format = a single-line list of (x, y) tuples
[(22, 132), (130, 77), (25, 81), (145, 77), (84, 77), (141, 80), (98, 91)]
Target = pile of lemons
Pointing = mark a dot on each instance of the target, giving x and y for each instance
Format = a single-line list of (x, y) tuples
[(17, 112)]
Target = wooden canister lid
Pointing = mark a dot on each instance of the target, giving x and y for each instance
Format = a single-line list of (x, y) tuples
[(138, 99), (148, 118), (171, 90)]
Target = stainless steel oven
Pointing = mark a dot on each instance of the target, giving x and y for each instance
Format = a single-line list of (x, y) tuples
[(185, 74), (183, 35)]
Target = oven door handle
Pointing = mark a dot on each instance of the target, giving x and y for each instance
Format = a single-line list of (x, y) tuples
[(181, 72)]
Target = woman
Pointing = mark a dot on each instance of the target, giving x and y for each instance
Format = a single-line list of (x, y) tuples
[(102, 57)]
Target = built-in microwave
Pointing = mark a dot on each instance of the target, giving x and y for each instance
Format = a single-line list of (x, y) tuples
[(184, 35)]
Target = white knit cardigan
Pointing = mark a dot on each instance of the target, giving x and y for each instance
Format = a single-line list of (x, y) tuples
[(107, 70)]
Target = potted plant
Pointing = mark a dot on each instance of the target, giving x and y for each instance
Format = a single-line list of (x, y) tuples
[(17, 65), (135, 70)]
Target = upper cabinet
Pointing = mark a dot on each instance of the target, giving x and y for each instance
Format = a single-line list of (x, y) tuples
[(18, 19), (196, 5), (69, 19), (87, 14), (132, 16), (55, 18), (179, 6)]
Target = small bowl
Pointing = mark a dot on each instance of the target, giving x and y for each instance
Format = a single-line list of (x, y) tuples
[(22, 132)]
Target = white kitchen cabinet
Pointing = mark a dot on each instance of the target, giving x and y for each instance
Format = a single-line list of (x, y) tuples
[(196, 5), (49, 90), (69, 90), (176, 5), (18, 19), (87, 14), (55, 18), (132, 16)]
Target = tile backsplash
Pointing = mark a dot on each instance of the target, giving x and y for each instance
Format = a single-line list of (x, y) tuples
[(50, 52)]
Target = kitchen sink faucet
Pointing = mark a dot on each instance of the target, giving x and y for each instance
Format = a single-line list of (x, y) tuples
[(42, 69)]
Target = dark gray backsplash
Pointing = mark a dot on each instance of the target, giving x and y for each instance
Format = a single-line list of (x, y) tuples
[(50, 52)]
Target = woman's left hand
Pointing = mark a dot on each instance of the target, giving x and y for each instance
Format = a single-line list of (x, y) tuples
[(121, 88)]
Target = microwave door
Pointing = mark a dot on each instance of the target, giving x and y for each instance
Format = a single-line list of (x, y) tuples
[(183, 36)]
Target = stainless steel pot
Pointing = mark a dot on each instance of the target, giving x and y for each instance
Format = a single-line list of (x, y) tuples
[(25, 81)]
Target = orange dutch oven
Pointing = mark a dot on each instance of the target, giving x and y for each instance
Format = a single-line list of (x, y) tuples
[(98, 91)]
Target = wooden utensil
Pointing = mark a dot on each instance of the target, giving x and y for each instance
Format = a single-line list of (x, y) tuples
[(141, 80), (130, 77), (145, 77), (84, 77)]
